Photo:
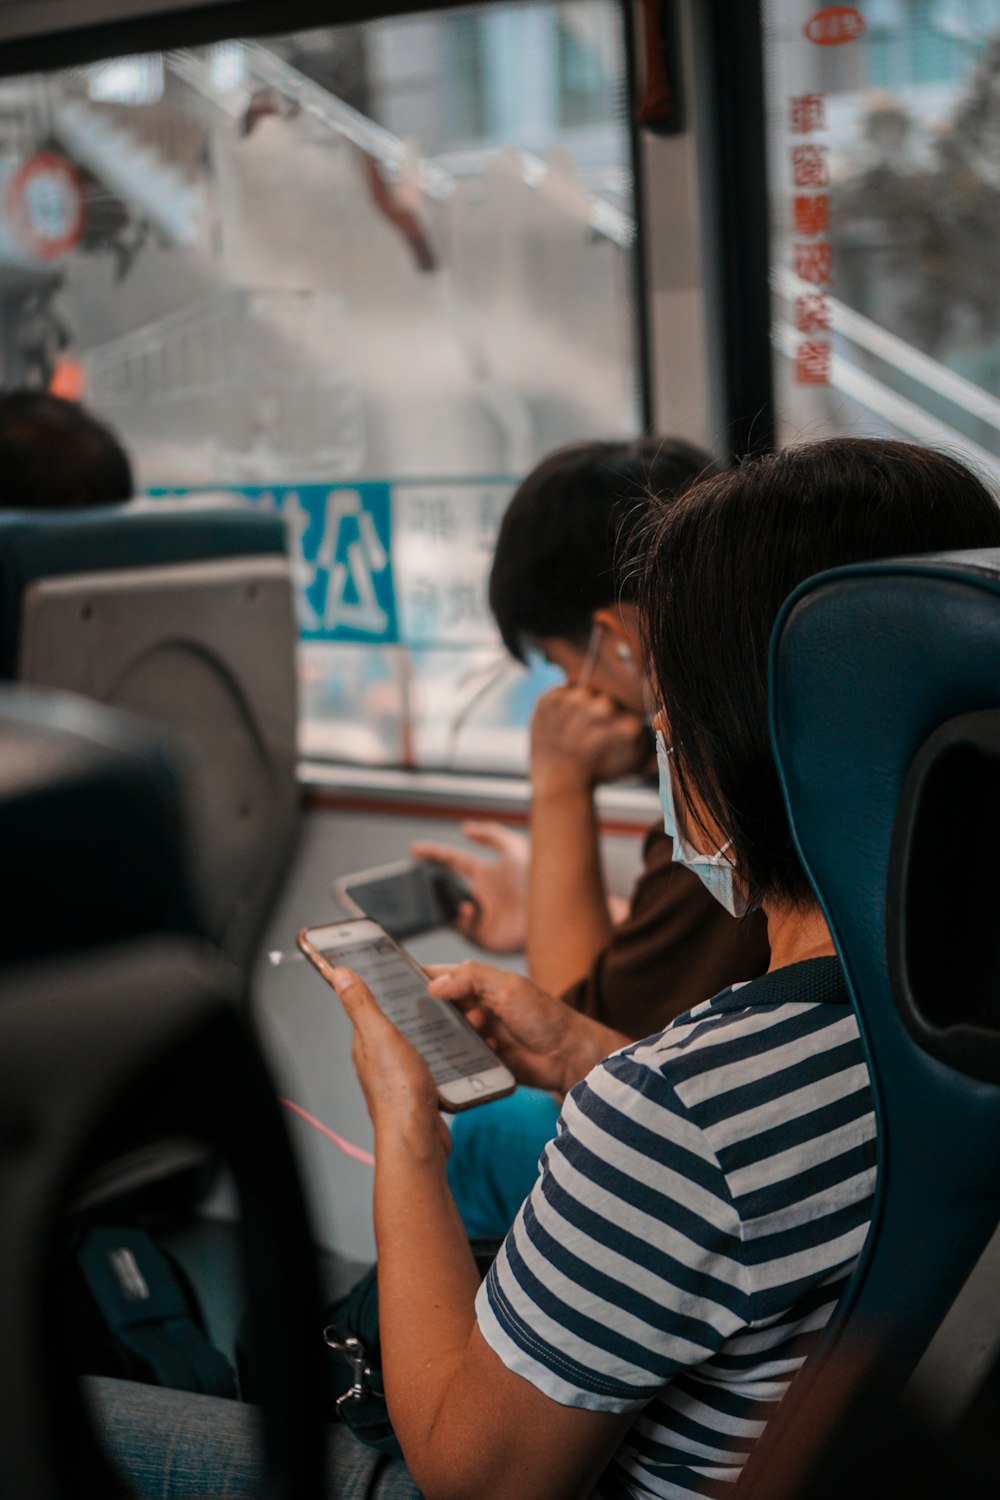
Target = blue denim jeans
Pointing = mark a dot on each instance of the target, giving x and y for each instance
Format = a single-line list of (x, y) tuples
[(494, 1158), (171, 1443)]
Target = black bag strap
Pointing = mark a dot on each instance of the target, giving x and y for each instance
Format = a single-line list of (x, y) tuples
[(146, 1309)]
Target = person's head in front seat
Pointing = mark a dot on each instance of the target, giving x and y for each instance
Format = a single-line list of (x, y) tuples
[(557, 583), (55, 456)]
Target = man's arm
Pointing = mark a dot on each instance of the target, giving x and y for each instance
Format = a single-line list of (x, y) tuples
[(578, 739)]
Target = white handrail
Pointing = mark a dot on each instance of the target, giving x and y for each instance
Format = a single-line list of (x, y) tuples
[(391, 152), (324, 106), (903, 414), (897, 352), (132, 169)]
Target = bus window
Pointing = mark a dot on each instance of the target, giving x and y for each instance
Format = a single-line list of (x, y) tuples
[(885, 209), (365, 275)]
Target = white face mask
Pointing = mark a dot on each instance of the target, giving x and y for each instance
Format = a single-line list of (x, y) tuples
[(715, 871)]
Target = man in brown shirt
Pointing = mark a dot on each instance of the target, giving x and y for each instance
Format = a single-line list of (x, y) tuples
[(560, 584)]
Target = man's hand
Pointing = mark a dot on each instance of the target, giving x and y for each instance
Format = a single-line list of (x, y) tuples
[(498, 920), (580, 738), (544, 1043)]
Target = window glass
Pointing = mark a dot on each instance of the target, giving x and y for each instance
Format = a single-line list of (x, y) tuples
[(366, 276), (884, 143)]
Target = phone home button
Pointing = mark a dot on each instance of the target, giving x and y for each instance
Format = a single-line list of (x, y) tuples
[(477, 1084)]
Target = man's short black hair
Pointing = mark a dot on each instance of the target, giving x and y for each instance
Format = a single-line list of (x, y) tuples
[(716, 569), (565, 540), (56, 456)]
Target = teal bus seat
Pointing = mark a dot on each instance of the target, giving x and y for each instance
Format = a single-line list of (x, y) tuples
[(885, 722), (186, 616)]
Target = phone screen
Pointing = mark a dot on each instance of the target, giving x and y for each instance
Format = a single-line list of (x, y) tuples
[(449, 1046), (402, 903)]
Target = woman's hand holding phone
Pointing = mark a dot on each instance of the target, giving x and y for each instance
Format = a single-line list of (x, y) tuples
[(463, 1069), (396, 1081), (543, 1042)]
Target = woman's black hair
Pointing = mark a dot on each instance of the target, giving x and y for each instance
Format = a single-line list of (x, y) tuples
[(569, 521), (55, 456), (716, 568)]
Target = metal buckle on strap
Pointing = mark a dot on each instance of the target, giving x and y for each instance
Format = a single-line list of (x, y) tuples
[(357, 1357)]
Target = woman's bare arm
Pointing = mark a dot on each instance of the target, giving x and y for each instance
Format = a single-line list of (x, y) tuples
[(467, 1425)]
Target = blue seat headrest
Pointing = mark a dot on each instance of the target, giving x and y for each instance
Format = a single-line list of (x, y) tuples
[(894, 803)]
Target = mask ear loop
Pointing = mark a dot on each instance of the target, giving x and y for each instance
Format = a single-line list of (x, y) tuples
[(692, 855)]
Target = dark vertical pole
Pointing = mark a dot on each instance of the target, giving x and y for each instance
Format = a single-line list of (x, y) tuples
[(642, 311), (730, 37)]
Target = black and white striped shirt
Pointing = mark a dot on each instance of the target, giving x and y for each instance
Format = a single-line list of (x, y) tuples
[(694, 1223)]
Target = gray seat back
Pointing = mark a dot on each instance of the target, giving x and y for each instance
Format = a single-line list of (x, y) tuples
[(187, 619)]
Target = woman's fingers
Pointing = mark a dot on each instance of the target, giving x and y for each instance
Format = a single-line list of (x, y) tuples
[(358, 1001), (472, 972), (473, 977), (394, 1077), (497, 993), (355, 996), (465, 981)]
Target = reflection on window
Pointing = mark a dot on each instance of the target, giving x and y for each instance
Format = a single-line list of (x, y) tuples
[(589, 80), (886, 209), (364, 276), (464, 77)]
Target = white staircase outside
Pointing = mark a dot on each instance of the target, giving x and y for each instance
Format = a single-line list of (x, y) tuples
[(150, 186)]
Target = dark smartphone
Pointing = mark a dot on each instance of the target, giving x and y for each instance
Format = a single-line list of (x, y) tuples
[(406, 899)]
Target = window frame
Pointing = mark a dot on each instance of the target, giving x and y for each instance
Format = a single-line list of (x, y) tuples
[(729, 68)]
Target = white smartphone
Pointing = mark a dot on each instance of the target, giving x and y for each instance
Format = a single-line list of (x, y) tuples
[(464, 1070), (408, 898)]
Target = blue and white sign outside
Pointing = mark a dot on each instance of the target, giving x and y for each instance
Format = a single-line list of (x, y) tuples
[(340, 540), (340, 543), (380, 563)]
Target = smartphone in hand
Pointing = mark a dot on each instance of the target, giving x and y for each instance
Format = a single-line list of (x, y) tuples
[(464, 1070), (408, 898)]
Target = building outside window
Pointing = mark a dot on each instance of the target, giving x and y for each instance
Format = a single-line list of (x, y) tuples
[(884, 140), (366, 276)]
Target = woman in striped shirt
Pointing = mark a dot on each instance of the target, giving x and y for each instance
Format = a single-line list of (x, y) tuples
[(710, 1188)]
